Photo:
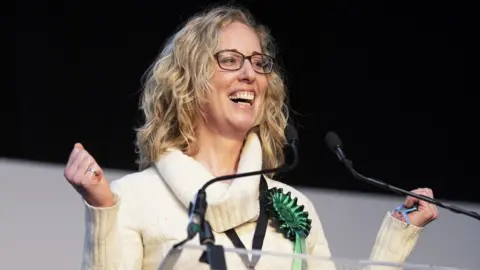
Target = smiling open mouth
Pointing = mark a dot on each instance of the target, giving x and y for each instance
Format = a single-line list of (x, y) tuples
[(242, 97)]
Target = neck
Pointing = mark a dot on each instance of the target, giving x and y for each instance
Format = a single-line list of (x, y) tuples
[(218, 153)]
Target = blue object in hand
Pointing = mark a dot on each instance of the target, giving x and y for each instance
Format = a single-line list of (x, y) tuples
[(404, 211)]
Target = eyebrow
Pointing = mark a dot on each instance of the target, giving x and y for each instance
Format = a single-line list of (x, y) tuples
[(253, 53)]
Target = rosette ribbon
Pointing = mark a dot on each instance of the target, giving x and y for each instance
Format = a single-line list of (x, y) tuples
[(292, 221)]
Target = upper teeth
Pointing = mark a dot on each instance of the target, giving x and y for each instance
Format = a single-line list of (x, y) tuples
[(242, 95)]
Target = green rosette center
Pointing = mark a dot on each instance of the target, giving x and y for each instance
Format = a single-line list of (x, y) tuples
[(291, 218)]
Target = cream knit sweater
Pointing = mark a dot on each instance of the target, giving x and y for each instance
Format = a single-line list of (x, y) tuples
[(150, 215)]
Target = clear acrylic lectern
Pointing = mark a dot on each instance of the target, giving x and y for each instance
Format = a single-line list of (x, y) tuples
[(194, 257)]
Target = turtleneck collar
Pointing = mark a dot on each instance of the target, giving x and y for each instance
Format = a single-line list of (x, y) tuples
[(229, 205)]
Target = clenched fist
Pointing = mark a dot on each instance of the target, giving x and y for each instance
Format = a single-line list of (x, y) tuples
[(84, 174), (425, 213)]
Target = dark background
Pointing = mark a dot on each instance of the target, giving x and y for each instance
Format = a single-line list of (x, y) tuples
[(387, 76)]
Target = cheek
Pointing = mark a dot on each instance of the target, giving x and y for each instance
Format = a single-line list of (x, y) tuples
[(221, 81), (262, 86), (261, 105)]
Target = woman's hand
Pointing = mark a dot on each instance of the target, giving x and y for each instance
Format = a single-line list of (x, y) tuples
[(426, 211), (84, 174)]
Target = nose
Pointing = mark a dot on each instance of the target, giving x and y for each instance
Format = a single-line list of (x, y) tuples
[(247, 73)]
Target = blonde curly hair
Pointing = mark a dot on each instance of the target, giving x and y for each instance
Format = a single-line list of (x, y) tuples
[(178, 83)]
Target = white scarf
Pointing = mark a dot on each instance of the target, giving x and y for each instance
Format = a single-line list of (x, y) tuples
[(229, 205)]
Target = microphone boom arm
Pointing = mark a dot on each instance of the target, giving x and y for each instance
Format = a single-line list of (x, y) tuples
[(381, 184), (280, 169)]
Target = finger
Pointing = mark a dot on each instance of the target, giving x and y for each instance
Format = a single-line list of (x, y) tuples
[(87, 160), (81, 150), (428, 209), (423, 192), (73, 153), (81, 165), (433, 207), (429, 194), (434, 211), (96, 175), (410, 200), (96, 170), (79, 177), (79, 146), (71, 173), (77, 160)]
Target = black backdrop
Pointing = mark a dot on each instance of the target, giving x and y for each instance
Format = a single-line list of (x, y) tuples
[(387, 76)]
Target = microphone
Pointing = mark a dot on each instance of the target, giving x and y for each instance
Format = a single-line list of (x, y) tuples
[(335, 145), (198, 210)]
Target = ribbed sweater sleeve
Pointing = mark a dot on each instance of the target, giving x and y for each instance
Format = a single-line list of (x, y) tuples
[(112, 241), (395, 240)]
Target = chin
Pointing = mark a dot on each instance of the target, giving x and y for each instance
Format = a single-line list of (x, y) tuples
[(243, 126)]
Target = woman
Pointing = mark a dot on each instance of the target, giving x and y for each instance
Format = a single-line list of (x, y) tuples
[(213, 105)]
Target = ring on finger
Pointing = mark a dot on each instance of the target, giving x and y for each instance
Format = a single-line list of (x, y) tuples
[(90, 169)]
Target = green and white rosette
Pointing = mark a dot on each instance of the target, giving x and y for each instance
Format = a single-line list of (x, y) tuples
[(291, 219)]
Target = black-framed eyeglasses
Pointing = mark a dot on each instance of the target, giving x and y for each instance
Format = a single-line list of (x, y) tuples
[(233, 60)]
